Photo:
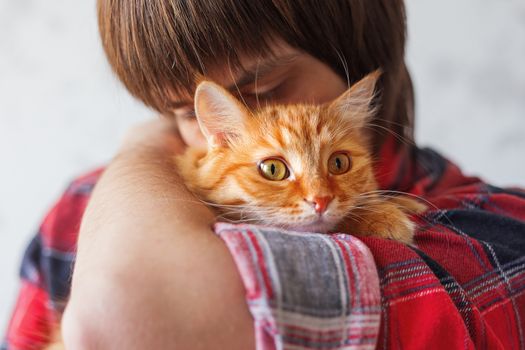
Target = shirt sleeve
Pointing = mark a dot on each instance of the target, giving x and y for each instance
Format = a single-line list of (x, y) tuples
[(306, 291), (32, 318), (46, 268)]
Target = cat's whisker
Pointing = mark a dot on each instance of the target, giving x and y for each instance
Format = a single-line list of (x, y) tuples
[(365, 208), (258, 211), (392, 194), (228, 206), (344, 63), (233, 209), (242, 221), (229, 209), (255, 83), (239, 93), (354, 216), (246, 211), (399, 137)]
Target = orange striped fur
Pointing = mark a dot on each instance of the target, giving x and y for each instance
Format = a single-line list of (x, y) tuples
[(226, 175)]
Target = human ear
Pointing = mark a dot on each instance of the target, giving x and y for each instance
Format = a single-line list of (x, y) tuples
[(219, 114)]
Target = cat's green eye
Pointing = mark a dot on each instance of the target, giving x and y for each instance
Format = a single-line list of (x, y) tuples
[(339, 163), (273, 169)]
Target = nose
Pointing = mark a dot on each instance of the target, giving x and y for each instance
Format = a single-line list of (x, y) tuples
[(320, 203)]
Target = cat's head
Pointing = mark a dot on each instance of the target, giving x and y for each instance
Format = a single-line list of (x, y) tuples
[(299, 167)]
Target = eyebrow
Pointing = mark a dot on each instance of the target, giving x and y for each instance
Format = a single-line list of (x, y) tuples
[(250, 75)]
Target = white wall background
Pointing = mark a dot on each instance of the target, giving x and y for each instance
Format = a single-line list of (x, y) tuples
[(62, 113)]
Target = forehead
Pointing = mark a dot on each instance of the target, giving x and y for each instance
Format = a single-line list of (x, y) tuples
[(247, 71), (251, 66), (301, 134), (297, 131)]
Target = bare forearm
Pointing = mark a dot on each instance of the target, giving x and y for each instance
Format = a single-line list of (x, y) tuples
[(149, 272)]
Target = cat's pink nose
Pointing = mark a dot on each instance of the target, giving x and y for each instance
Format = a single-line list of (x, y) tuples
[(320, 203)]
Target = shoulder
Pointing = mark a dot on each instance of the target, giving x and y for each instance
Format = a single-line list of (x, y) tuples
[(471, 228), (447, 189), (467, 265)]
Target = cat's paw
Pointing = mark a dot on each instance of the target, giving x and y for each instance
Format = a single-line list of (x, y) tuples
[(396, 227), (411, 205), (384, 220), (400, 229)]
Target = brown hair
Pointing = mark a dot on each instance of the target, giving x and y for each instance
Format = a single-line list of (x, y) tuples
[(156, 47)]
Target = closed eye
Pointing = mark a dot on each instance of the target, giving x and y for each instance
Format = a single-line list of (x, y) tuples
[(185, 112), (264, 94)]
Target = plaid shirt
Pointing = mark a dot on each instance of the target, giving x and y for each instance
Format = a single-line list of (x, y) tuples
[(461, 286)]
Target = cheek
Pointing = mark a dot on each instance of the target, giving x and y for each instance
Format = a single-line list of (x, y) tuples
[(341, 188), (283, 197), (290, 199), (349, 188), (190, 132)]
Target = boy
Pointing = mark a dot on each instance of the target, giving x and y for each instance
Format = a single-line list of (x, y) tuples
[(145, 262)]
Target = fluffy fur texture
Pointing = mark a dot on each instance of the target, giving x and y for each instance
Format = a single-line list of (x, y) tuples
[(228, 175)]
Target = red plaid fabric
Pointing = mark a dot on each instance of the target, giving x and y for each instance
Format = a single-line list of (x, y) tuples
[(461, 287), (306, 290)]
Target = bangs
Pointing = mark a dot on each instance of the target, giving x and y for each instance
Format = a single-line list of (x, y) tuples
[(158, 48)]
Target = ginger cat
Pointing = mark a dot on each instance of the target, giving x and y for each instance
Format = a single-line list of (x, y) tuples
[(297, 167)]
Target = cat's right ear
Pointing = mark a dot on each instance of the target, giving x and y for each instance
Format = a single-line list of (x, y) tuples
[(219, 114)]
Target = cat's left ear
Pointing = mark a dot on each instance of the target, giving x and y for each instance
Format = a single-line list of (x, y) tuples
[(219, 113), (355, 103)]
